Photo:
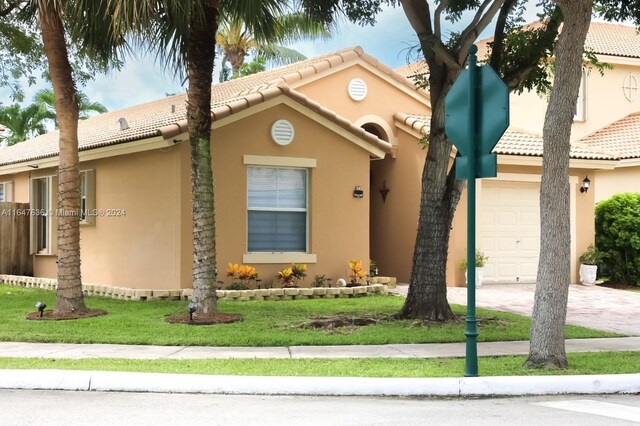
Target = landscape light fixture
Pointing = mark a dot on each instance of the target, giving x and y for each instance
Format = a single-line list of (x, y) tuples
[(586, 183), (41, 307), (192, 310)]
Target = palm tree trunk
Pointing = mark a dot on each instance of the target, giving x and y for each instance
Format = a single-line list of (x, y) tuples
[(69, 292), (200, 57), (550, 305)]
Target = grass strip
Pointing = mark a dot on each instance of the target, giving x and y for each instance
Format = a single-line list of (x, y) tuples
[(265, 323), (580, 363)]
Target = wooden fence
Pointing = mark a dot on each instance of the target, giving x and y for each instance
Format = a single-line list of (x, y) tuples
[(14, 239)]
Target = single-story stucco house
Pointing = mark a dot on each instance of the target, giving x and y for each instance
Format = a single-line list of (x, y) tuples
[(318, 162)]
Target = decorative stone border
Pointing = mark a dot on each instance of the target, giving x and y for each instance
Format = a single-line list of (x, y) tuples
[(185, 294)]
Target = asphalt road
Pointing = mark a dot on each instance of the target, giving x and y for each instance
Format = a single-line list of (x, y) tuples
[(96, 408)]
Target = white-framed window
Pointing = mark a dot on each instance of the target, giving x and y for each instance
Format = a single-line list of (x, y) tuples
[(6, 192), (42, 204), (581, 103), (87, 197), (277, 216)]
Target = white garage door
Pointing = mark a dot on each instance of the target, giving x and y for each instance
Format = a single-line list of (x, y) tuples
[(509, 222)]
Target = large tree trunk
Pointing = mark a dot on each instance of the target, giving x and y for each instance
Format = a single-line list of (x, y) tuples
[(69, 292), (550, 305), (427, 297), (200, 57)]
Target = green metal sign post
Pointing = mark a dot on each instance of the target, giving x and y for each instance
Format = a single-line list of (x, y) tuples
[(476, 116)]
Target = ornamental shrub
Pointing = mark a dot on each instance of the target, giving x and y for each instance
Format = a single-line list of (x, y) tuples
[(618, 237)]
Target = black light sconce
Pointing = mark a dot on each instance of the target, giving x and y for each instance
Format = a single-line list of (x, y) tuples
[(358, 192), (586, 183), (384, 191)]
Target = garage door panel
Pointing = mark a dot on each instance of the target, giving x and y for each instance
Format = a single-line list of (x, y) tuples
[(510, 230), (507, 218), (529, 218)]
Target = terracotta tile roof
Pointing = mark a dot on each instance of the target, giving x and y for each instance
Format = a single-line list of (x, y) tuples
[(168, 115), (514, 142), (613, 39), (621, 138), (603, 38)]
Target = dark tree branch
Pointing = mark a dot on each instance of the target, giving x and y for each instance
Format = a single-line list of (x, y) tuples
[(437, 17), (515, 77), (498, 35), (419, 16), (9, 9), (479, 23)]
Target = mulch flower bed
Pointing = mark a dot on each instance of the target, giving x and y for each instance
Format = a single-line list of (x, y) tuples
[(201, 320), (51, 315)]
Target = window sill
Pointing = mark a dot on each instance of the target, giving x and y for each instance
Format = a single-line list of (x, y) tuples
[(259, 257)]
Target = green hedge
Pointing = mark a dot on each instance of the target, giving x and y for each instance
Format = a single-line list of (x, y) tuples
[(618, 237)]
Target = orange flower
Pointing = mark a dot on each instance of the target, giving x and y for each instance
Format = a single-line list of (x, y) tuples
[(233, 269), (246, 272)]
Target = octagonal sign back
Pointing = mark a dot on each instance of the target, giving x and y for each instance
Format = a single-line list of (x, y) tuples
[(492, 109)]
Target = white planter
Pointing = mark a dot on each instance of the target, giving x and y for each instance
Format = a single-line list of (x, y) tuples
[(479, 276), (588, 274)]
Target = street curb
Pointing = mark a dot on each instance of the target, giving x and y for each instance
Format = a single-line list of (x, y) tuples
[(109, 381)]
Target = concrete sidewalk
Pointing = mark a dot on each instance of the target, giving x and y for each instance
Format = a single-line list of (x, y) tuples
[(428, 350), (114, 381)]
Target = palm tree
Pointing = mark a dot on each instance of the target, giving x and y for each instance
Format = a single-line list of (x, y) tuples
[(88, 22), (183, 35), (236, 41), (23, 123), (47, 101)]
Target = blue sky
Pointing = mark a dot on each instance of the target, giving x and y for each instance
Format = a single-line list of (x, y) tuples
[(141, 80)]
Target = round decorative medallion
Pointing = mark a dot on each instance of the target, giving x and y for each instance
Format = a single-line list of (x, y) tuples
[(357, 89), (282, 132)]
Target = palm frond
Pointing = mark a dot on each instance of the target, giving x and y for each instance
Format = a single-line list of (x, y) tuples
[(279, 55)]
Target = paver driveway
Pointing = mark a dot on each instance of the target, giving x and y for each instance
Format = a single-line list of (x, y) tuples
[(594, 307)]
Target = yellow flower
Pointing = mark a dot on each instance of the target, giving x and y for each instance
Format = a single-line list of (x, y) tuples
[(233, 269), (355, 265), (285, 273), (246, 272)]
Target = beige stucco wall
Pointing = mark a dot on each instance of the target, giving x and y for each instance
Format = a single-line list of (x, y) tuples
[(140, 249), (150, 247), (383, 97), (394, 222), (338, 222), (610, 182), (605, 103)]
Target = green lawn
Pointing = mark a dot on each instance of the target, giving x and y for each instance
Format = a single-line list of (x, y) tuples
[(583, 363), (265, 323)]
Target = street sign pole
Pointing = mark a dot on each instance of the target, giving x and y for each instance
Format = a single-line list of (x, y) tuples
[(471, 332), (476, 116)]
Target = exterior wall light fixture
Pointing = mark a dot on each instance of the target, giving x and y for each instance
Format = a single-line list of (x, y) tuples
[(586, 183), (384, 191), (358, 192)]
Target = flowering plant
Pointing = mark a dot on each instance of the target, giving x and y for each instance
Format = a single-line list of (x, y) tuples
[(357, 274), (244, 273), (289, 277)]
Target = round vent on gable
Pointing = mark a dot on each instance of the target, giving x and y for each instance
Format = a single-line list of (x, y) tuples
[(282, 132), (357, 89)]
